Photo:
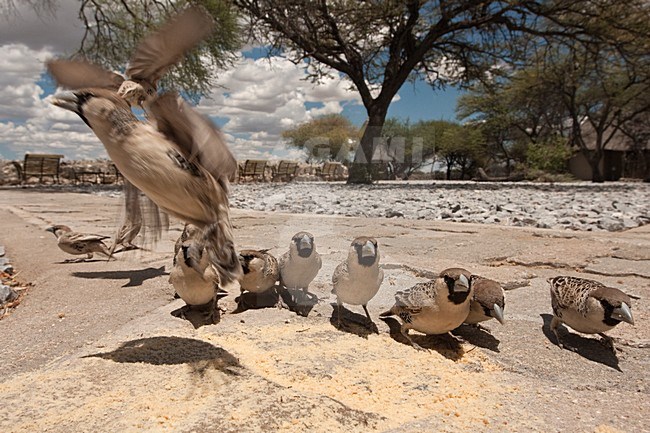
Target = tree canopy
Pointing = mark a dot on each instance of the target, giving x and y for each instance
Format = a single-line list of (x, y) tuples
[(379, 45), (113, 29), (327, 138)]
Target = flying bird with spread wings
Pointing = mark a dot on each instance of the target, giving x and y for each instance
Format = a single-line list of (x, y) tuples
[(152, 59), (179, 159)]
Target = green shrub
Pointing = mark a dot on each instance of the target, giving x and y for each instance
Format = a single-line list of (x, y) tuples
[(551, 156)]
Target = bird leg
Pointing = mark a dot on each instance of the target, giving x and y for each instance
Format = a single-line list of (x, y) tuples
[(77, 260), (241, 303), (458, 340), (280, 304), (338, 313), (405, 333), (555, 322), (370, 322), (480, 327), (215, 312), (607, 341), (367, 314)]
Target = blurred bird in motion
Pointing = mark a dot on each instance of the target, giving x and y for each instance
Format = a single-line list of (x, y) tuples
[(179, 159), (182, 164), (132, 221), (140, 215), (153, 57), (79, 243)]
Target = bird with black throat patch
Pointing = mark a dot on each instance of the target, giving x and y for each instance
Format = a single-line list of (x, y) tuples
[(260, 272), (434, 307), (79, 243), (588, 306), (358, 278), (488, 301), (195, 278), (300, 265)]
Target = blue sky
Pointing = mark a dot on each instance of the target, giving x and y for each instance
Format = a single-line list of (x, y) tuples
[(255, 101)]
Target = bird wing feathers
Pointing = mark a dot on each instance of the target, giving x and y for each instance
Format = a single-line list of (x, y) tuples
[(162, 49), (613, 296), (419, 296), (197, 137), (572, 293), (410, 302), (340, 271), (80, 74), (487, 292), (83, 237)]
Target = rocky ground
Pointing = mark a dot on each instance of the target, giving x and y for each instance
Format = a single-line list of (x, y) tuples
[(573, 206)]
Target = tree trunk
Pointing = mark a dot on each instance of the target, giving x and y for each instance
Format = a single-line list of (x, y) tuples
[(361, 169), (594, 162)]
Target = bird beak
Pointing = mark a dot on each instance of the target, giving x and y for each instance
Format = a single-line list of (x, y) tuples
[(368, 250), (305, 243), (623, 313), (50, 229), (67, 100), (462, 284), (498, 314)]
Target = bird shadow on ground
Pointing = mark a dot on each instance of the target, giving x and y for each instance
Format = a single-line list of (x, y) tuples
[(255, 301), (480, 337), (298, 301), (445, 344), (128, 248), (199, 315), (589, 348), (351, 322), (199, 355), (73, 261), (136, 276)]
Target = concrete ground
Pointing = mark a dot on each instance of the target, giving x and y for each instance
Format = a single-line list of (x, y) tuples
[(94, 347)]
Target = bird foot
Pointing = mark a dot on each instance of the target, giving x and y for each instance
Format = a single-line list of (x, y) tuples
[(480, 327), (281, 305), (456, 339), (74, 260), (418, 347), (608, 342)]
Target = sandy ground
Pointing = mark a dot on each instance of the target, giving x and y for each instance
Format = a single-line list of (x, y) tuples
[(94, 346)]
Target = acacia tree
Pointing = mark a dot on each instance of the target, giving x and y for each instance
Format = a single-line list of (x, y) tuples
[(326, 138), (113, 29), (462, 147), (599, 92), (512, 113), (409, 146), (379, 45)]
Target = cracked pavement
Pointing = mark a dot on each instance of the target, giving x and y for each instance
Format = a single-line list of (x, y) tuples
[(93, 346)]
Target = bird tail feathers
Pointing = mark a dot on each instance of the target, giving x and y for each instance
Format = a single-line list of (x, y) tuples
[(392, 312), (219, 243)]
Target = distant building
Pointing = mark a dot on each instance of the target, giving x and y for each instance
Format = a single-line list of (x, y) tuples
[(622, 157)]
